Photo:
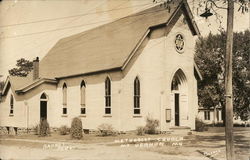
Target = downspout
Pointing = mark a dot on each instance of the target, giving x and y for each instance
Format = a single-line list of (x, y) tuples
[(27, 114), (119, 93), (160, 112)]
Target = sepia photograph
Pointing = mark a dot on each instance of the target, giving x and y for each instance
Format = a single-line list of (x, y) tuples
[(124, 79)]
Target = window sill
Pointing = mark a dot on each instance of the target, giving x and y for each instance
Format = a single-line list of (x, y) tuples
[(11, 115), (64, 115), (137, 116), (83, 115), (107, 115)]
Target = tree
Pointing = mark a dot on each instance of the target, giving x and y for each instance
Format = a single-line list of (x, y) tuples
[(210, 53), (23, 68), (209, 5)]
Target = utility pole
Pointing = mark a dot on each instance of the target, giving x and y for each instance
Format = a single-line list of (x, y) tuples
[(228, 83)]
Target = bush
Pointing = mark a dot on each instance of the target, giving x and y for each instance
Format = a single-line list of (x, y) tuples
[(140, 131), (44, 128), (241, 124), (151, 125), (64, 130), (76, 128), (106, 130), (219, 124), (200, 126)]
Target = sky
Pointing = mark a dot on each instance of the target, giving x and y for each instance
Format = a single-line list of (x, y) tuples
[(30, 28)]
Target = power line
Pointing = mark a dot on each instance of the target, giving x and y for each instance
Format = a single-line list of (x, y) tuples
[(114, 31), (78, 18), (78, 15), (67, 23), (64, 0), (95, 37), (119, 29), (64, 28)]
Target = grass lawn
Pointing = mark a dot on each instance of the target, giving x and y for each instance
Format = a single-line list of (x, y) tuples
[(208, 145), (87, 138), (211, 144)]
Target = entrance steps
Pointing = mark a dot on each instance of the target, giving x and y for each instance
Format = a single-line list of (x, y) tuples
[(181, 130)]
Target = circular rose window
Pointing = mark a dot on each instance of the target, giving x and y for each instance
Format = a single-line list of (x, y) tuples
[(179, 43)]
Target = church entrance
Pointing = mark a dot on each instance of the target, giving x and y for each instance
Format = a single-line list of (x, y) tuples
[(177, 105), (179, 96), (43, 106)]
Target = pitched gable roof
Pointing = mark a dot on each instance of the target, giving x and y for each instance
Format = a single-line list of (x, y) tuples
[(105, 47), (23, 84), (15, 83)]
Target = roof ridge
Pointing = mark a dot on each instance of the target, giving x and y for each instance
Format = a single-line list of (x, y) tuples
[(104, 47)]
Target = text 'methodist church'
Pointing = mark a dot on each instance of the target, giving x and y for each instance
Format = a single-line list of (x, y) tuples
[(119, 73)]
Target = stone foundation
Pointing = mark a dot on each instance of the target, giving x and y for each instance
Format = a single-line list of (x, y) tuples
[(9, 130)]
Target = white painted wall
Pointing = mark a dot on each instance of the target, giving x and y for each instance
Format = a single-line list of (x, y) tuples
[(19, 113), (155, 65)]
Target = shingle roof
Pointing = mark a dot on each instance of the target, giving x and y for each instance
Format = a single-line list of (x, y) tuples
[(104, 47), (16, 82)]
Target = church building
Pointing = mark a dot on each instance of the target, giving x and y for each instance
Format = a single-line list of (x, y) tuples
[(119, 73)]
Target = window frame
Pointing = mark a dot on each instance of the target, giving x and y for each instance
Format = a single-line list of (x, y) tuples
[(11, 105), (180, 51), (83, 98), (64, 91), (137, 97), (206, 115), (108, 98)]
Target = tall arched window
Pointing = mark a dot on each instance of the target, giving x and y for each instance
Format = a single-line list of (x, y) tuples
[(175, 84), (64, 98), (43, 97), (11, 105), (107, 96), (137, 96), (83, 102), (43, 106)]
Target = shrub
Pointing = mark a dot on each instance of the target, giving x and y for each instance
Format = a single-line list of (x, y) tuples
[(219, 124), (44, 128), (106, 130), (76, 128), (151, 125), (245, 124), (140, 131), (200, 126), (64, 130)]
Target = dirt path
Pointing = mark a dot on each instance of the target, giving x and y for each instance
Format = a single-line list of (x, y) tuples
[(88, 152), (199, 146)]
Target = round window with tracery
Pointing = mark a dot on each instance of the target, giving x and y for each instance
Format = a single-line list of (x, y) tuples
[(179, 43)]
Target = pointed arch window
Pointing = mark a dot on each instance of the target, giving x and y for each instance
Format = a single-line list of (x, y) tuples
[(175, 84), (107, 96), (137, 96), (83, 97), (11, 104), (64, 90), (43, 97)]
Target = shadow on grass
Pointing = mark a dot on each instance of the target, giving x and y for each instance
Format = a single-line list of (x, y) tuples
[(205, 141), (212, 141)]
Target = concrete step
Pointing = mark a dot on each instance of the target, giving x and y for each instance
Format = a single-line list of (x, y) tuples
[(181, 130)]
